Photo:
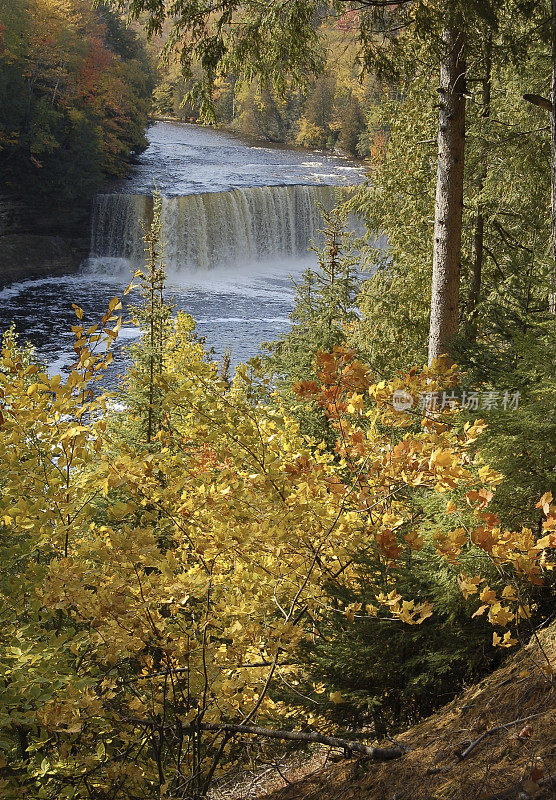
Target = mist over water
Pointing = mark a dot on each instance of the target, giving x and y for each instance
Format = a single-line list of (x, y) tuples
[(237, 221), (236, 311)]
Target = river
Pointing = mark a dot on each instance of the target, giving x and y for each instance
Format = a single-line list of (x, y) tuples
[(237, 222)]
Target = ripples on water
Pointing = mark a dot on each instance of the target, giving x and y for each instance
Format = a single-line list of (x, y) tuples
[(237, 311), (189, 159)]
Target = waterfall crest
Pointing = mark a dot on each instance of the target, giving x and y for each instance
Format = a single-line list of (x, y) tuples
[(202, 231)]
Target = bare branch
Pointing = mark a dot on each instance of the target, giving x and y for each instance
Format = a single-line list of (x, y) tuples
[(537, 100), (376, 753)]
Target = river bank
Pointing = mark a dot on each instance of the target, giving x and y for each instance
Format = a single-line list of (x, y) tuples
[(262, 141), (237, 221), (182, 159)]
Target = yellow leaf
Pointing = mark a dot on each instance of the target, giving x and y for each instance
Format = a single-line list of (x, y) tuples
[(469, 586), (114, 304), (545, 502), (351, 610), (488, 475), (487, 595), (355, 403), (442, 458), (414, 541), (505, 641), (500, 615), (74, 727)]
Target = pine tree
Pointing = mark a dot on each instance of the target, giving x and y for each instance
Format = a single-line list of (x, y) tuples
[(324, 305), (324, 310), (352, 126), (144, 391)]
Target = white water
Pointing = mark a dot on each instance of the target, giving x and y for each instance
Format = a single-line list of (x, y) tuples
[(212, 229), (237, 220), (189, 159)]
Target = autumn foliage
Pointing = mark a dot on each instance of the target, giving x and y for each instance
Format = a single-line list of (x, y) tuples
[(149, 592), (75, 93)]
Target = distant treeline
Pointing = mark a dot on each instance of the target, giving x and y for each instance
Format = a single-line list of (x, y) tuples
[(330, 112)]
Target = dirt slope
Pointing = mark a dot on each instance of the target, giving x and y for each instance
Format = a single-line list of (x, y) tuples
[(495, 742)]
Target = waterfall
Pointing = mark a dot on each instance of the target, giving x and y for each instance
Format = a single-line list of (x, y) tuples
[(202, 231), (117, 229)]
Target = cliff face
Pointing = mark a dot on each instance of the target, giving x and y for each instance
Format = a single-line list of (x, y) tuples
[(36, 242)]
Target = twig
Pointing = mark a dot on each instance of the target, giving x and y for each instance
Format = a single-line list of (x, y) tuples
[(474, 744)]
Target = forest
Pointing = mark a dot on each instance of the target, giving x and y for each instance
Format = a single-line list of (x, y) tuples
[(325, 113), (75, 87), (206, 570)]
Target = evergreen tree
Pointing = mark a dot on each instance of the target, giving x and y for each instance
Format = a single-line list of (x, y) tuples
[(315, 126), (389, 676), (324, 305), (352, 126), (144, 388), (324, 310)]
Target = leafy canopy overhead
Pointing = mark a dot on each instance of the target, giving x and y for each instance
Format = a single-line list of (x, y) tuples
[(281, 43)]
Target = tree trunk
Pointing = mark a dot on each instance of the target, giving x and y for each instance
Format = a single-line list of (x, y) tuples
[(552, 296), (479, 232), (449, 194)]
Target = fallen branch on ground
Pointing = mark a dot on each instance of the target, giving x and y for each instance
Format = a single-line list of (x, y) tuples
[(376, 753), (489, 732), (348, 746)]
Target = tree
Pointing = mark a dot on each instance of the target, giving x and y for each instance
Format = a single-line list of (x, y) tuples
[(324, 304), (151, 598), (397, 206), (477, 251), (503, 345), (318, 114), (449, 193), (352, 126), (142, 390), (75, 94), (258, 113), (245, 48), (551, 107), (323, 312)]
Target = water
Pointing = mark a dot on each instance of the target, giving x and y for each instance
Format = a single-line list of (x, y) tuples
[(243, 311), (209, 230), (237, 221), (189, 159)]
